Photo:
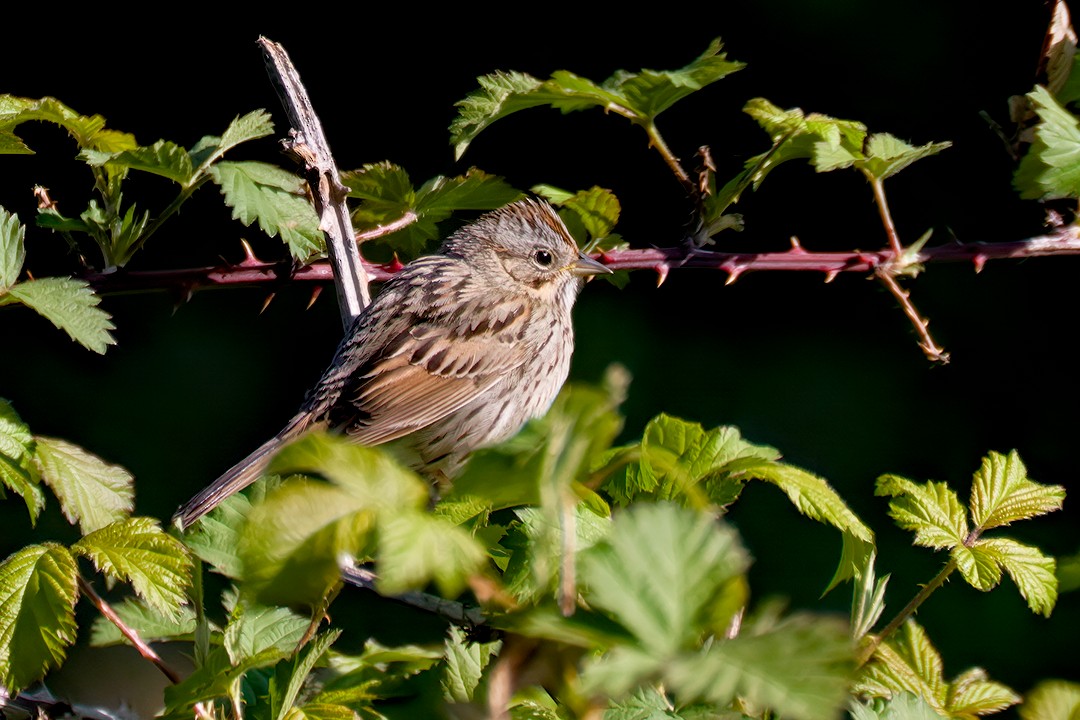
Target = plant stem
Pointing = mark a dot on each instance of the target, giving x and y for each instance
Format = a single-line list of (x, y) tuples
[(133, 637), (920, 597), (657, 141), (878, 185)]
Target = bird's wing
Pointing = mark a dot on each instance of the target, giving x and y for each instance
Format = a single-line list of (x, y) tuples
[(430, 374)]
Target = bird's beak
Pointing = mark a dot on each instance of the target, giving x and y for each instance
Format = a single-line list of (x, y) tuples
[(585, 265)]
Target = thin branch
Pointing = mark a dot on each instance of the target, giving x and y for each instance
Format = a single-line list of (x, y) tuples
[(132, 637), (931, 349), (254, 272), (308, 143), (455, 612)]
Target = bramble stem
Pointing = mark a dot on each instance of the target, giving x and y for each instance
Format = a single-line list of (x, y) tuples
[(920, 597), (133, 637)]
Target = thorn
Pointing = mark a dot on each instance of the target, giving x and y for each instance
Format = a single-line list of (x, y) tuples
[(266, 303), (733, 274), (249, 254), (796, 247), (394, 265), (831, 275), (315, 292), (980, 261), (661, 273)]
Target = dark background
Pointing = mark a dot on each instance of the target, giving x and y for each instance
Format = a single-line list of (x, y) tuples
[(828, 373)]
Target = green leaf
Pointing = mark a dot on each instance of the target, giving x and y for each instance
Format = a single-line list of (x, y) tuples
[(1052, 700), (1029, 568), (902, 706), (150, 625), (536, 543), (868, 598), (886, 155), (70, 305), (215, 539), (979, 568), (661, 572), (416, 547), (1001, 493), (465, 663), (908, 662), (254, 125), (596, 210), (215, 678), (801, 669), (253, 629), (676, 456), (291, 546), (12, 249), (500, 94), (37, 622), (87, 131), (289, 679), (11, 144), (640, 96), (813, 497), (973, 693), (136, 550), (276, 199), (1051, 167), (389, 197), (92, 492), (932, 511), (17, 470), (163, 158)]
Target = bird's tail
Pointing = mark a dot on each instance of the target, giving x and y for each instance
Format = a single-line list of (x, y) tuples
[(239, 476)]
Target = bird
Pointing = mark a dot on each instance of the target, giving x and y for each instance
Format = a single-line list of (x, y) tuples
[(458, 350)]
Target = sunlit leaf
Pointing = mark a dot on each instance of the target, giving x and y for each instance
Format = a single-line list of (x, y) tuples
[(136, 550), (70, 305), (91, 492), (416, 548), (887, 155), (1051, 167), (163, 158), (37, 613), (1001, 493), (276, 199), (1029, 568), (465, 663), (660, 571), (1052, 700), (931, 510), (17, 470), (253, 629), (12, 249)]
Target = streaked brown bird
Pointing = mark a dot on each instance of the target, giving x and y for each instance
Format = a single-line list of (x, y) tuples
[(457, 352)]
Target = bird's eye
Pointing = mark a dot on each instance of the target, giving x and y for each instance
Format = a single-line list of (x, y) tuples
[(543, 258)]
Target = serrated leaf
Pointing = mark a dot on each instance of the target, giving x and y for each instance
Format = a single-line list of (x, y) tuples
[(254, 125), (253, 629), (660, 571), (596, 210), (813, 497), (12, 249), (677, 456), (12, 144), (465, 663), (800, 668), (931, 510), (1029, 568), (70, 305), (150, 625), (163, 158), (1051, 167), (216, 538), (536, 544), (1001, 493), (500, 94), (265, 193), (868, 597), (978, 567), (886, 155), (389, 197), (88, 131), (1052, 700), (640, 96), (289, 678), (17, 471), (292, 544), (902, 706), (215, 678), (973, 693), (906, 662), (136, 550), (416, 548), (91, 492), (37, 613)]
